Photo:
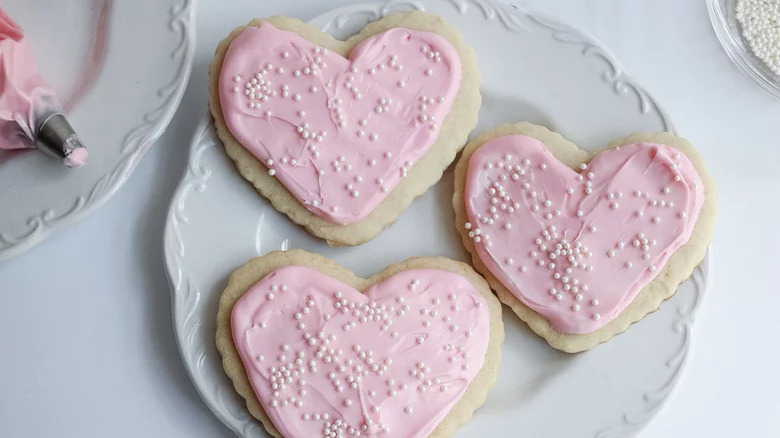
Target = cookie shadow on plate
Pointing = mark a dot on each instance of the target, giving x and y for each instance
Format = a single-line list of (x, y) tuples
[(510, 394), (499, 107)]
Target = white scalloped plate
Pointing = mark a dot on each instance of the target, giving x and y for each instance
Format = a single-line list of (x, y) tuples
[(534, 68), (120, 87)]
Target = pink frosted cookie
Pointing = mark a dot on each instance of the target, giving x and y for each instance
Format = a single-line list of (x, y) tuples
[(341, 136), (581, 245), (317, 351)]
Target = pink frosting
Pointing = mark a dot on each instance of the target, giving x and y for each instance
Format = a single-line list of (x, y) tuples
[(24, 95), (578, 247), (77, 158), (392, 361), (338, 133)]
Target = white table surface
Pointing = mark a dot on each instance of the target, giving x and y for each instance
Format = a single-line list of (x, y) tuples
[(86, 343)]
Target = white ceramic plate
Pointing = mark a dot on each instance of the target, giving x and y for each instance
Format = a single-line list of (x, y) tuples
[(120, 69), (534, 68)]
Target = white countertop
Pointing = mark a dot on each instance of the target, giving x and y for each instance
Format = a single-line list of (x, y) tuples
[(87, 347)]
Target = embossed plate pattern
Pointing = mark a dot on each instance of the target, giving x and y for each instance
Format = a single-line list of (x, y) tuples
[(116, 102), (534, 68)]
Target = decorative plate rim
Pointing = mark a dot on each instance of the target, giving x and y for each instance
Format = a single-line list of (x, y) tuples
[(186, 296), (133, 146)]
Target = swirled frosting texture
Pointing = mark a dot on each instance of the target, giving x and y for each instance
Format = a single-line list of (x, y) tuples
[(24, 95), (578, 246), (392, 361), (339, 133)]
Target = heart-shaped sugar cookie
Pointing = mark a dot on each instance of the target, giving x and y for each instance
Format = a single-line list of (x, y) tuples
[(582, 246), (409, 352), (341, 136)]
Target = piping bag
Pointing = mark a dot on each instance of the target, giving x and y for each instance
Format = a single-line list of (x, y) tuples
[(30, 114)]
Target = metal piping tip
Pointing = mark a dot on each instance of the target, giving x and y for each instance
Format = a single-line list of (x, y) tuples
[(56, 137)]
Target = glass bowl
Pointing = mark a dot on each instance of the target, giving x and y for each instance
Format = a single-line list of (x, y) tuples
[(727, 29)]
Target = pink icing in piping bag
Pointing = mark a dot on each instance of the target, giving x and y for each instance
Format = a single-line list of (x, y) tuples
[(30, 115)]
